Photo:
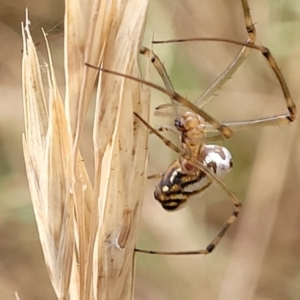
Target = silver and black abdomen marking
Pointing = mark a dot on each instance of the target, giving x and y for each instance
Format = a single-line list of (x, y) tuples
[(217, 158), (184, 179), (170, 190)]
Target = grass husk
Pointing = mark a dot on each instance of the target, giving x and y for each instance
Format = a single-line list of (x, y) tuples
[(88, 227)]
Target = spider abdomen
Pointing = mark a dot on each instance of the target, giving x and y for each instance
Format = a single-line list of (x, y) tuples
[(185, 178)]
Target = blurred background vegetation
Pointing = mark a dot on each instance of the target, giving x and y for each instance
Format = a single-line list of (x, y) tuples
[(259, 258)]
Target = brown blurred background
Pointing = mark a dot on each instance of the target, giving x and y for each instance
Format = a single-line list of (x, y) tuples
[(259, 258)]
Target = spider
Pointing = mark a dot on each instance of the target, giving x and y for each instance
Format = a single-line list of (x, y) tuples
[(200, 164)]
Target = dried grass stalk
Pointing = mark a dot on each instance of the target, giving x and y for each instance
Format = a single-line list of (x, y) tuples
[(88, 231)]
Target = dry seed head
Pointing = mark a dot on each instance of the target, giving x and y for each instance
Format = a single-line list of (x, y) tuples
[(88, 231)]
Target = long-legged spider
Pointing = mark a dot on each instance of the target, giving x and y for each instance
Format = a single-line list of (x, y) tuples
[(199, 164)]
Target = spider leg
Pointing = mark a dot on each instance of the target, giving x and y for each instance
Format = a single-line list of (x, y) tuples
[(223, 78), (226, 131), (290, 117), (234, 66), (248, 124), (154, 176), (158, 66), (217, 84), (232, 218), (236, 202), (291, 106), (166, 141), (212, 245), (268, 121), (229, 71), (162, 106), (168, 129), (211, 91)]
